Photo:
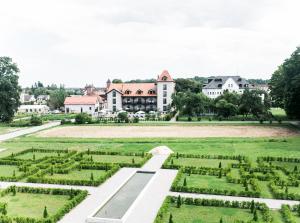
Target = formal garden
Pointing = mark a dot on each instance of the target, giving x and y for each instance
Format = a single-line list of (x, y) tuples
[(88, 168), (189, 210), (45, 206), (268, 177)]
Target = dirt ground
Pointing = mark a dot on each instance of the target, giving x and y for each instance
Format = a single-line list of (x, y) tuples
[(166, 131)]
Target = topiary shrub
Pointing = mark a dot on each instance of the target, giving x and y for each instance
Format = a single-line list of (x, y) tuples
[(35, 120), (83, 118)]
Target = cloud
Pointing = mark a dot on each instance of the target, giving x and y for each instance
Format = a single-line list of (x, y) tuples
[(87, 41)]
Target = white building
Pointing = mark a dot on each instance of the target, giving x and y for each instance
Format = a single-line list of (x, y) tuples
[(83, 104), (40, 109), (27, 98), (42, 99), (134, 97), (216, 85)]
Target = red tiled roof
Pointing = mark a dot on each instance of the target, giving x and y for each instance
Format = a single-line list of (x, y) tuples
[(133, 88), (82, 100), (165, 76)]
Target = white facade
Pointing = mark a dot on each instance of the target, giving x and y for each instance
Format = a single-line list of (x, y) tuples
[(164, 95), (40, 109), (114, 101), (220, 84), (89, 109)]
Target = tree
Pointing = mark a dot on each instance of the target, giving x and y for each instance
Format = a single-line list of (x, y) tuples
[(220, 164), (178, 202), (9, 89), (122, 116), (117, 81), (251, 103), (252, 206), (285, 85), (226, 109), (82, 118), (45, 213), (184, 182), (57, 98), (35, 120), (92, 177), (171, 218), (221, 220), (184, 85), (255, 216)]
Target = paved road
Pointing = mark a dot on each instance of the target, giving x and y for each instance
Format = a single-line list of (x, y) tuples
[(26, 131), (271, 203)]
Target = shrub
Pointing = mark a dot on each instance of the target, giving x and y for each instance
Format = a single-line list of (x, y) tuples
[(83, 118), (35, 120), (122, 116)]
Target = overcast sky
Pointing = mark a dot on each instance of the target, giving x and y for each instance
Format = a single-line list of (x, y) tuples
[(76, 42)]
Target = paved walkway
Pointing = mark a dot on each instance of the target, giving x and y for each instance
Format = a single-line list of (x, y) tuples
[(26, 131), (271, 203)]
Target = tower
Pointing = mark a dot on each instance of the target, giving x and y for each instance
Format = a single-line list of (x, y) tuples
[(165, 89)]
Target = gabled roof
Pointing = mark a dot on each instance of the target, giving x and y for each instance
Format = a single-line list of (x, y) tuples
[(82, 100), (216, 82), (133, 88), (165, 77)]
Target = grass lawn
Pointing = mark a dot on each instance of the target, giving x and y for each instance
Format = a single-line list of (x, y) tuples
[(279, 112), (8, 170), (265, 190), (32, 205), (78, 175), (114, 158), (36, 155), (251, 147), (201, 214), (296, 217), (214, 163), (235, 173), (213, 182)]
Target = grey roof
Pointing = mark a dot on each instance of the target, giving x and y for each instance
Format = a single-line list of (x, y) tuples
[(216, 82)]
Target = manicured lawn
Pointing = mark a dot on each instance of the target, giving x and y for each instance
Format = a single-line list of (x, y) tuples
[(213, 182), (213, 163), (32, 205), (296, 218), (279, 112), (281, 174), (235, 173), (287, 165), (114, 158), (78, 175), (36, 155), (8, 170), (200, 214), (251, 147)]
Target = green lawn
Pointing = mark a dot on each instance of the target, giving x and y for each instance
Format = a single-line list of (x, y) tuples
[(78, 175), (114, 158), (32, 205), (279, 112), (197, 162), (287, 165), (265, 190), (35, 155), (201, 214), (251, 147), (7, 129), (213, 182), (8, 170)]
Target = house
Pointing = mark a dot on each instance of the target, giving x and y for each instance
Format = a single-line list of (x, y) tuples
[(27, 98), (216, 85), (86, 103), (42, 99), (40, 109), (134, 97)]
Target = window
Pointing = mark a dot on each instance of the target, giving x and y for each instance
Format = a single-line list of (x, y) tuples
[(128, 100), (114, 108), (81, 110), (127, 92), (164, 87), (68, 110), (164, 108), (164, 101), (139, 91), (165, 94), (151, 91), (114, 101), (164, 78), (114, 94), (90, 108)]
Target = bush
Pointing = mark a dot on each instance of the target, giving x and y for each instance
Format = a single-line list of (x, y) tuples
[(122, 116), (35, 120), (83, 118), (136, 120)]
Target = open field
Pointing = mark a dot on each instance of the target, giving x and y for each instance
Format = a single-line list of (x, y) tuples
[(167, 131)]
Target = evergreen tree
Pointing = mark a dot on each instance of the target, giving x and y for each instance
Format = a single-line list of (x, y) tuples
[(252, 206), (178, 203), (286, 189), (45, 213), (171, 218), (92, 177), (255, 216), (33, 157), (177, 155), (172, 162), (184, 182), (133, 161), (221, 220), (295, 168), (220, 174), (13, 190), (14, 173), (220, 165), (4, 210)]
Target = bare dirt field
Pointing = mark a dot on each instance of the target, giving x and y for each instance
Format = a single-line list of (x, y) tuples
[(166, 131)]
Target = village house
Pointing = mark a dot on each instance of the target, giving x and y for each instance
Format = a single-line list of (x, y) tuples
[(216, 85), (30, 109), (90, 104)]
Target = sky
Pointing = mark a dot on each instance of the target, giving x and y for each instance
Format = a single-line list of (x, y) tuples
[(79, 42)]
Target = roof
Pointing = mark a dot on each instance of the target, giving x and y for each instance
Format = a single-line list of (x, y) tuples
[(165, 76), (82, 100), (132, 89), (216, 82)]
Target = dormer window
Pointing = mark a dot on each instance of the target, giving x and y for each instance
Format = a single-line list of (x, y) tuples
[(219, 85), (127, 92), (139, 91), (164, 78), (151, 91), (240, 85)]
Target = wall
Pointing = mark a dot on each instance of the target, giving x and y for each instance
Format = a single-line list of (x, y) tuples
[(170, 90), (85, 109), (110, 100)]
